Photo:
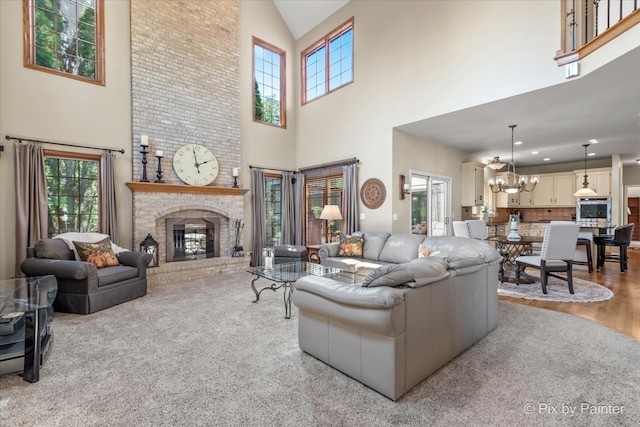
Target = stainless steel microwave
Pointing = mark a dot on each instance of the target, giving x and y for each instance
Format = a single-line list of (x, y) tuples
[(594, 210)]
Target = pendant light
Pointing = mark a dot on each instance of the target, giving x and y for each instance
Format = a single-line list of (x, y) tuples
[(496, 163), (585, 191)]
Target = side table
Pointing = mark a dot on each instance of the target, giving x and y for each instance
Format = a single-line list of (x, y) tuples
[(314, 256)]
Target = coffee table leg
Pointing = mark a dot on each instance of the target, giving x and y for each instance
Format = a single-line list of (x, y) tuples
[(273, 287), (288, 290)]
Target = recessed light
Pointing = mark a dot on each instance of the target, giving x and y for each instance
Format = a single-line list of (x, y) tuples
[(591, 154), (517, 143), (534, 152), (638, 160), (593, 141), (546, 159)]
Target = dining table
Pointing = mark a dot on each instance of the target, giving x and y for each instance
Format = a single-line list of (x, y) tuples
[(510, 249)]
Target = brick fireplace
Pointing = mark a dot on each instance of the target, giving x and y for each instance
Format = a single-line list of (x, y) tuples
[(154, 204)]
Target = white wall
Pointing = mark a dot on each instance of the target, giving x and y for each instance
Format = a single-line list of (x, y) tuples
[(263, 145), (35, 104), (418, 59)]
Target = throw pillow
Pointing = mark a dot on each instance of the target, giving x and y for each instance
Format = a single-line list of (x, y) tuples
[(99, 253), (351, 246), (423, 252)]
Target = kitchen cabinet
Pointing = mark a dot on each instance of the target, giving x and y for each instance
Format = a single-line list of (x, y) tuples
[(554, 190), (506, 200), (472, 184), (599, 180)]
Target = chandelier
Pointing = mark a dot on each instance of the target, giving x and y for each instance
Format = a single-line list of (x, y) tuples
[(512, 184), (585, 191)]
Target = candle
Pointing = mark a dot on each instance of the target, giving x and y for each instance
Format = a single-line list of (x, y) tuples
[(144, 140), (159, 153), (235, 172)]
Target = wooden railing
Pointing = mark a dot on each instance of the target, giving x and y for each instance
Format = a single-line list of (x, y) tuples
[(590, 24)]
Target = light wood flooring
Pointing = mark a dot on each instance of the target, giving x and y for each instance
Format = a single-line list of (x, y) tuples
[(621, 313)]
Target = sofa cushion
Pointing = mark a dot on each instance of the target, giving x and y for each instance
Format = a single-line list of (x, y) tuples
[(416, 273), (401, 248), (110, 275), (351, 246), (349, 265), (99, 253), (53, 249), (460, 252), (373, 244)]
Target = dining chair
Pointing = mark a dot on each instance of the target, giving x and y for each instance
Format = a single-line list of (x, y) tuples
[(558, 248), (622, 239), (461, 229), (478, 229)]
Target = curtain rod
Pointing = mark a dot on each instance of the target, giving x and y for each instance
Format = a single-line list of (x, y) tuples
[(330, 164), (19, 139), (271, 169)]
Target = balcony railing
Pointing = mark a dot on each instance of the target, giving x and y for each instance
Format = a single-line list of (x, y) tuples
[(590, 24)]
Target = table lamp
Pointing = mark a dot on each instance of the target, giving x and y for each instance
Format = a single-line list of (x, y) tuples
[(330, 213)]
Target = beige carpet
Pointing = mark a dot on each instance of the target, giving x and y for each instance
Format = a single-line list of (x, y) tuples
[(201, 354)]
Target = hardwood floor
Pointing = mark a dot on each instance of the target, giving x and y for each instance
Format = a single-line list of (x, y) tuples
[(621, 313)]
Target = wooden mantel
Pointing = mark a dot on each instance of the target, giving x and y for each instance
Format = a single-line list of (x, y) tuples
[(152, 187)]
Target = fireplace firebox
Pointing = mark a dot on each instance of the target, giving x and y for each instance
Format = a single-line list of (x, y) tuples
[(192, 238)]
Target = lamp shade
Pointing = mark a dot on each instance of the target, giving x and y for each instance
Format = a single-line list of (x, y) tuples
[(331, 212)]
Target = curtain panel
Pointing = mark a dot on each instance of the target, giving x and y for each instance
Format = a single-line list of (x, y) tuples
[(109, 214), (259, 216), (31, 199)]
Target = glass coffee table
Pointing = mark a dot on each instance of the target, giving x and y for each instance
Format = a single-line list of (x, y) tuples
[(283, 276), (25, 317)]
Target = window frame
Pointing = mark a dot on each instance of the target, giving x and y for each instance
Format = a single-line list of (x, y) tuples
[(327, 194), (283, 84), (274, 177), (325, 41), (30, 48), (80, 156)]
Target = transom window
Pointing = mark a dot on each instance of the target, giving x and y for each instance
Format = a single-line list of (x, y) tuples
[(269, 83), (73, 187), (327, 65), (65, 37)]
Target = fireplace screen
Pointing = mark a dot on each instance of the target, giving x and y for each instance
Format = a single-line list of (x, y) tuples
[(192, 238)]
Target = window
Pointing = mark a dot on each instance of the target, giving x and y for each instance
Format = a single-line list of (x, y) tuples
[(65, 37), (273, 209), (269, 83), (328, 64), (319, 192), (73, 186)]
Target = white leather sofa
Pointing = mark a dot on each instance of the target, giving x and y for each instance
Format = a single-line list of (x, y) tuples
[(390, 338)]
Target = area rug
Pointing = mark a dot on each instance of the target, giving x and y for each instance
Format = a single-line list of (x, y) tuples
[(557, 290)]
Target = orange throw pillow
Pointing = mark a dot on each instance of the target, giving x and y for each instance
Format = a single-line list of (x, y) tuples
[(99, 253)]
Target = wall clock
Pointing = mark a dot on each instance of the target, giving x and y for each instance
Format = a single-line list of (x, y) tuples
[(195, 164), (373, 193)]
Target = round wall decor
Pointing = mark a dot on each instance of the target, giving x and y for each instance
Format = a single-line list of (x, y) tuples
[(373, 193)]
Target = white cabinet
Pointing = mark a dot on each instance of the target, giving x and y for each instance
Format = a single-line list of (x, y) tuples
[(554, 190), (599, 180), (472, 184)]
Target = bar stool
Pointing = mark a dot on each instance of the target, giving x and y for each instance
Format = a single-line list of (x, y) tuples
[(621, 238), (587, 244)]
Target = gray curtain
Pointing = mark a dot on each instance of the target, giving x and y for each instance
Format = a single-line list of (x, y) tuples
[(349, 198), (287, 221), (31, 199), (109, 212), (299, 209), (259, 216), (292, 208)]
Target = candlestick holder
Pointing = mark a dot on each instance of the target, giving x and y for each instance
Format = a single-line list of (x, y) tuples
[(235, 182), (144, 153), (159, 171)]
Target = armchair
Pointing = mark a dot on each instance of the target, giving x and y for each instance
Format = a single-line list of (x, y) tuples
[(82, 287)]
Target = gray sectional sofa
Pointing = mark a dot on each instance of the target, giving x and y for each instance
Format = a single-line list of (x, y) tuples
[(405, 319)]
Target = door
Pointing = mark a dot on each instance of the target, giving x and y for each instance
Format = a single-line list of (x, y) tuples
[(430, 204)]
